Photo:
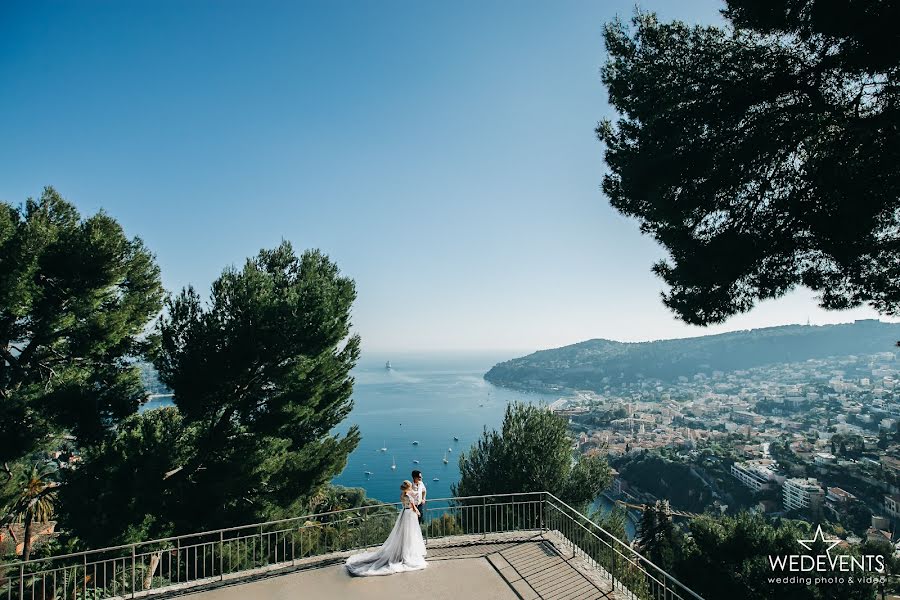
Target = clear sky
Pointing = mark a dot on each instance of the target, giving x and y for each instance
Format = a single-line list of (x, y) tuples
[(441, 152)]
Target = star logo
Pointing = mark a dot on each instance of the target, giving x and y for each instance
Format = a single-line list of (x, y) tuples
[(819, 536)]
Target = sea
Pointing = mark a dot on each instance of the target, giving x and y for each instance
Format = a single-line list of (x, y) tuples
[(426, 398)]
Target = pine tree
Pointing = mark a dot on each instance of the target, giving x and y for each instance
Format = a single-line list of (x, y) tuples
[(261, 377), (75, 298), (532, 452), (762, 154), (658, 539)]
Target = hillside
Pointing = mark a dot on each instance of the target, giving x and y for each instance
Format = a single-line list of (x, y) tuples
[(596, 363)]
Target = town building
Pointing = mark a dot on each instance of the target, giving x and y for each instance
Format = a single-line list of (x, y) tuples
[(799, 493), (836, 497), (756, 474), (892, 505)]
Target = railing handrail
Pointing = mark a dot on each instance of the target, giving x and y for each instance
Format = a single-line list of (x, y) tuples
[(634, 552), (250, 525)]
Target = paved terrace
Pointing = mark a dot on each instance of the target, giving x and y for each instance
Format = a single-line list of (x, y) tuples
[(495, 566), (526, 546)]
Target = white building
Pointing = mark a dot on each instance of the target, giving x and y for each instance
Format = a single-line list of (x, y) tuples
[(824, 458), (802, 493), (756, 474)]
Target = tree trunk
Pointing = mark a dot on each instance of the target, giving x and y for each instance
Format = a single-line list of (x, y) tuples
[(148, 575), (26, 544)]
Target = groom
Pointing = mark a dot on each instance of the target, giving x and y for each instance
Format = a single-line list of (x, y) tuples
[(418, 493)]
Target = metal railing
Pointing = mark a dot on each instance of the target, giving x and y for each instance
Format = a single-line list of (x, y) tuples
[(630, 572), (170, 564)]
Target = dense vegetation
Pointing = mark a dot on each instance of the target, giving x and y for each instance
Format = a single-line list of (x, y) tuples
[(596, 363), (727, 557)]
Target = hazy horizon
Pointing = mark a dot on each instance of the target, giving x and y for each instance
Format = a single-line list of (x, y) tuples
[(443, 156), (384, 353)]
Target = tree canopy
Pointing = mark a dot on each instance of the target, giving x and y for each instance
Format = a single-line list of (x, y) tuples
[(260, 376), (763, 154), (728, 557), (532, 452), (75, 297)]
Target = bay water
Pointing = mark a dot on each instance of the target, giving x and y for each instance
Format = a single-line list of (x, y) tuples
[(428, 398)]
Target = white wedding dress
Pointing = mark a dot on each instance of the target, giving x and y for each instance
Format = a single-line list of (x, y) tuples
[(404, 549)]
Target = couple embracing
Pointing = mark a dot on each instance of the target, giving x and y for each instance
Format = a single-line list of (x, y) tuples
[(404, 549)]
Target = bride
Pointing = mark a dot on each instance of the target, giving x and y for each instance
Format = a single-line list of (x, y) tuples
[(404, 549)]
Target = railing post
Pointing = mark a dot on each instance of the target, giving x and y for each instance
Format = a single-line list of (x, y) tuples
[(261, 559), (365, 540), (481, 520), (221, 555), (543, 510), (22, 581), (133, 569)]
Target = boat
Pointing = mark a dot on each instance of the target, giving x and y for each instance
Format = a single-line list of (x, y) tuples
[(384, 448), (455, 439), (449, 449), (435, 479), (415, 442), (415, 462), (388, 366), (368, 473), (445, 458), (393, 464)]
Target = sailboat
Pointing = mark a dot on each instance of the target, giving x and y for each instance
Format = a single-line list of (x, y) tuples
[(388, 366), (449, 449), (455, 439), (445, 458), (393, 464), (384, 447), (415, 442)]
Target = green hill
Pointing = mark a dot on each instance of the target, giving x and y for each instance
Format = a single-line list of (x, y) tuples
[(594, 364)]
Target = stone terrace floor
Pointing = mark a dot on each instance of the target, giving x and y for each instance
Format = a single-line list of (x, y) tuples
[(496, 566)]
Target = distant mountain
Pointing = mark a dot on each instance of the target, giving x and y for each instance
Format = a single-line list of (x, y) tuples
[(594, 364)]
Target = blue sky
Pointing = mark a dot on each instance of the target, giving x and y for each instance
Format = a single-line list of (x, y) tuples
[(441, 152)]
